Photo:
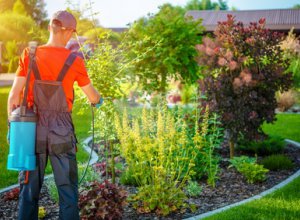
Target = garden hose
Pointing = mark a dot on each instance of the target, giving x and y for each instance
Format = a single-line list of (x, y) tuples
[(92, 148)]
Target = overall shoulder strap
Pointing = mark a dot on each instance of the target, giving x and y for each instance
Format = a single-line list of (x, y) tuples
[(71, 58), (32, 50), (35, 70)]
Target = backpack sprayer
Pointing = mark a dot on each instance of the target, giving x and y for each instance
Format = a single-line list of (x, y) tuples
[(22, 130)]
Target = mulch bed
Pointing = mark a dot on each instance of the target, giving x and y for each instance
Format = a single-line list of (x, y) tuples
[(232, 187)]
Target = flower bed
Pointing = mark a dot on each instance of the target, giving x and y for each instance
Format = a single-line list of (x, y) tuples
[(230, 188)]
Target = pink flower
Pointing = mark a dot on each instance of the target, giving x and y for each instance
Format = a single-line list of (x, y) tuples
[(250, 40), (228, 55), (200, 47), (232, 65), (246, 76), (237, 82), (262, 21), (217, 50), (222, 61), (209, 51), (208, 42)]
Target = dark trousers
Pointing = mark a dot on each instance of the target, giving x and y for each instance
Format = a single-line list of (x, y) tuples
[(66, 178)]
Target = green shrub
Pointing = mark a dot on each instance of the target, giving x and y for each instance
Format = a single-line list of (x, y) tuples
[(193, 189), (238, 161), (162, 154), (128, 178), (248, 167), (4, 68), (158, 155), (277, 162), (272, 145), (188, 94), (50, 184), (12, 56), (253, 172)]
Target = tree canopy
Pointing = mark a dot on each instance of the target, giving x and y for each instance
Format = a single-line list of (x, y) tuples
[(297, 6), (244, 67), (163, 46), (206, 5), (33, 8)]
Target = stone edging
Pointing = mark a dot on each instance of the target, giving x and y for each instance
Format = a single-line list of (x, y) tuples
[(86, 147), (264, 193)]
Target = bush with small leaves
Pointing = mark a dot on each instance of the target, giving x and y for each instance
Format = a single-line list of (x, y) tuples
[(248, 167), (128, 178), (193, 189), (253, 172), (277, 162), (286, 100), (272, 145), (238, 161), (243, 69)]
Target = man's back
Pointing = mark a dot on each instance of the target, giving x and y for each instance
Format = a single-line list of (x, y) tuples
[(50, 61)]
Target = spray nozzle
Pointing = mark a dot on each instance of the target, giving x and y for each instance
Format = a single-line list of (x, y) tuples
[(99, 104)]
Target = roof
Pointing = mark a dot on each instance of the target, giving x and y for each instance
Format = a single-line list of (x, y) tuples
[(118, 29), (276, 19)]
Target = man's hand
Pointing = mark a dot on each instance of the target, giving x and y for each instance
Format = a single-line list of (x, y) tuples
[(15, 94), (99, 104)]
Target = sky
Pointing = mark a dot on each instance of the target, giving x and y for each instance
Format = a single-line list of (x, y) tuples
[(119, 13)]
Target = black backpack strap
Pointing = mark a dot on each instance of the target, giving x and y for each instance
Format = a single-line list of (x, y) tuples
[(71, 58)]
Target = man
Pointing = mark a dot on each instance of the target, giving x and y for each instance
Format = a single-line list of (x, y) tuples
[(50, 93)]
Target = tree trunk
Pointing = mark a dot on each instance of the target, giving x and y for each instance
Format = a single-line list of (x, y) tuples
[(231, 147), (112, 157)]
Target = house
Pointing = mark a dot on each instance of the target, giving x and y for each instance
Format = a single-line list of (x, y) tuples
[(281, 20), (118, 29)]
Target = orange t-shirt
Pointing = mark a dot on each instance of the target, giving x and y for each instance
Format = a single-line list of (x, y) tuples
[(50, 61)]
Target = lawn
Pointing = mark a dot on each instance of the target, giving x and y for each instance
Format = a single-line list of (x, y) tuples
[(8, 177), (286, 126), (282, 204)]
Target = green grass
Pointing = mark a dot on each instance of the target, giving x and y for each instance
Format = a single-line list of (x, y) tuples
[(286, 126), (284, 203), (7, 177), (281, 205)]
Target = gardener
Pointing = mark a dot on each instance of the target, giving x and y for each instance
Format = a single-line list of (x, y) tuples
[(55, 70)]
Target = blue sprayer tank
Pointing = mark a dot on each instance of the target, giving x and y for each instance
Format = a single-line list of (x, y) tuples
[(22, 133)]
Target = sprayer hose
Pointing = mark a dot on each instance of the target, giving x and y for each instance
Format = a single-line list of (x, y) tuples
[(92, 148)]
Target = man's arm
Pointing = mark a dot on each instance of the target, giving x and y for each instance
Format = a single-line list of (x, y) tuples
[(14, 97), (91, 93)]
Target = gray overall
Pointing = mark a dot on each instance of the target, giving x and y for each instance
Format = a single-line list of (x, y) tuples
[(55, 139)]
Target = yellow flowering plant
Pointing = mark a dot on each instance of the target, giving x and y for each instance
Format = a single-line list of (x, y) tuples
[(160, 154)]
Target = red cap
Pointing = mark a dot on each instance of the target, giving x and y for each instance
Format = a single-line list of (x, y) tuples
[(66, 19)]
